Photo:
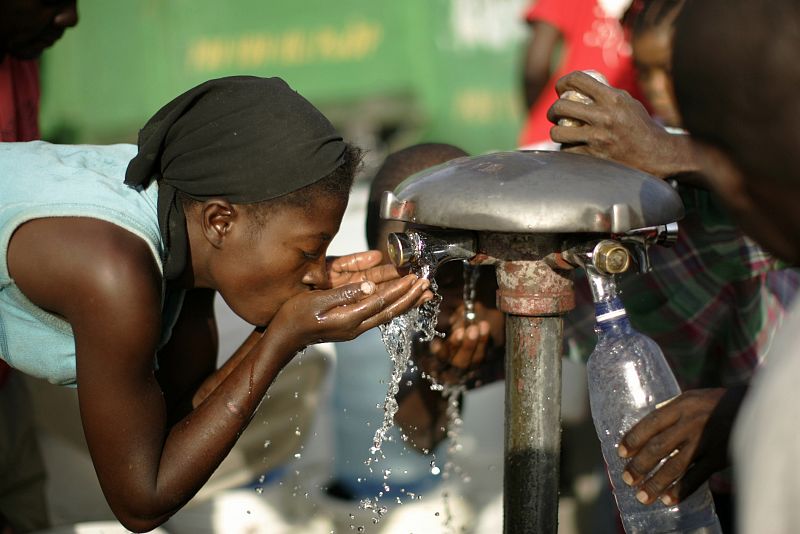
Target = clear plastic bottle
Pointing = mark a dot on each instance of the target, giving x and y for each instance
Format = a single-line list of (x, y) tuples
[(628, 377)]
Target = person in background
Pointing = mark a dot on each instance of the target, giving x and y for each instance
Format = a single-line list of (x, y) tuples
[(108, 277), (713, 302), (565, 36), (27, 28), (736, 86)]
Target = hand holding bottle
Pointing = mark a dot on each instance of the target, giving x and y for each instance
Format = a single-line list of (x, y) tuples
[(630, 382), (691, 432)]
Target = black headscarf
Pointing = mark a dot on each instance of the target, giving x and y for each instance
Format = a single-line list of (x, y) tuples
[(243, 138)]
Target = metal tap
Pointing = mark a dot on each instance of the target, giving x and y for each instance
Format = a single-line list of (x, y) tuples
[(425, 252), (612, 256), (606, 256), (639, 241)]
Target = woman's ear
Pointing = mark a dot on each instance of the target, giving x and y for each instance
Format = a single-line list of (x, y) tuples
[(217, 219)]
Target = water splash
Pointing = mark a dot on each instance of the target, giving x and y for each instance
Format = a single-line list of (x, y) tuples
[(398, 335)]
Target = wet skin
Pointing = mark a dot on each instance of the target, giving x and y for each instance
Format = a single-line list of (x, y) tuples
[(155, 438)]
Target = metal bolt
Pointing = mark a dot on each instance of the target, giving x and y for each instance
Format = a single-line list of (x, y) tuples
[(610, 257)]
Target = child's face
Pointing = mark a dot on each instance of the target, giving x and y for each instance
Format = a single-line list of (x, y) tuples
[(652, 52), (258, 271)]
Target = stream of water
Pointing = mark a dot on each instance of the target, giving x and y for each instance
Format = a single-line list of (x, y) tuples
[(399, 335)]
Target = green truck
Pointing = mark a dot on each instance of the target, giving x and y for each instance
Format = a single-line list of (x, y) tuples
[(387, 73)]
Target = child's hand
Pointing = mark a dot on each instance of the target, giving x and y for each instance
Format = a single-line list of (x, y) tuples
[(344, 312), (697, 425), (461, 355)]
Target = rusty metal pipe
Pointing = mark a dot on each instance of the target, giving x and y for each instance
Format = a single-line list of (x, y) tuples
[(534, 296), (533, 424)]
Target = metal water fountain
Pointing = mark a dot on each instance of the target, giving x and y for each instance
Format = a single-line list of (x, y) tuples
[(535, 216)]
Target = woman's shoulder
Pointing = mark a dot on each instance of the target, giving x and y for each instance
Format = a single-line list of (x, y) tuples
[(62, 263)]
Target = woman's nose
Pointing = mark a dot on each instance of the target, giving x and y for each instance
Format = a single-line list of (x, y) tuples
[(317, 275), (67, 16)]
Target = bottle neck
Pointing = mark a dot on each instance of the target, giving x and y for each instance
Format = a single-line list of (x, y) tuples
[(611, 316), (609, 310)]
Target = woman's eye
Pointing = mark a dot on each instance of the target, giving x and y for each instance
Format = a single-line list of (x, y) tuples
[(310, 255)]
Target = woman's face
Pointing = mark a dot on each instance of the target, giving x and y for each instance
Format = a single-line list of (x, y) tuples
[(652, 52), (258, 269)]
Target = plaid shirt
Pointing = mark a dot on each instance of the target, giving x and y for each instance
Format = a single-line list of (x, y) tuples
[(712, 302)]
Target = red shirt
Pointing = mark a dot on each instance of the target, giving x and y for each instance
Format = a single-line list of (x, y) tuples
[(19, 99), (592, 40), (19, 115)]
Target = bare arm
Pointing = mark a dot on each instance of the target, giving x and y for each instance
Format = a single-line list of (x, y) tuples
[(195, 333), (617, 127), (537, 67), (104, 281)]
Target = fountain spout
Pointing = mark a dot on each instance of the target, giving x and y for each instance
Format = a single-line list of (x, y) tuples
[(426, 251)]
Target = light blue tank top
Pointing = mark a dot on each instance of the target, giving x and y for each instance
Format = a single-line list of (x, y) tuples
[(38, 180)]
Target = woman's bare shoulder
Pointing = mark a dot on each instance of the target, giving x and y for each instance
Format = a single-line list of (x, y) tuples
[(69, 264)]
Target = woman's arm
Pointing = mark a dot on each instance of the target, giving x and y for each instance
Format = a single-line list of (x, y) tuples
[(189, 359), (188, 381), (104, 281)]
